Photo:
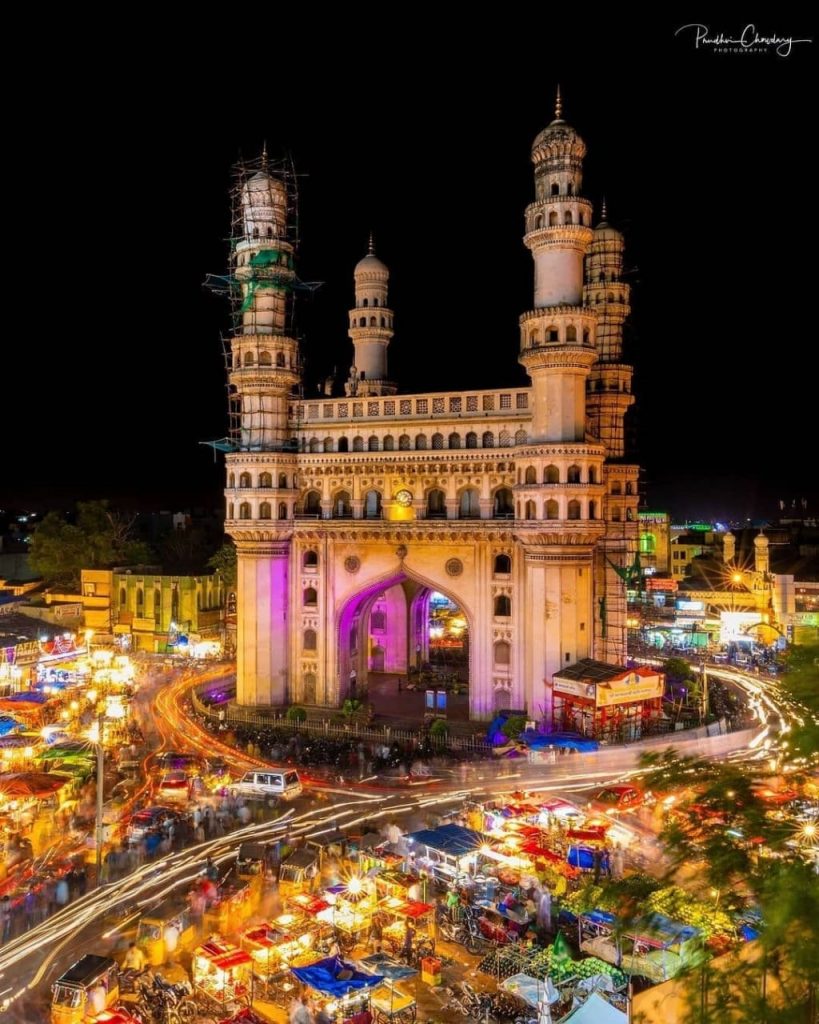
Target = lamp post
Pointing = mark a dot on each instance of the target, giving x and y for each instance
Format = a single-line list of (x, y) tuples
[(736, 579), (100, 785)]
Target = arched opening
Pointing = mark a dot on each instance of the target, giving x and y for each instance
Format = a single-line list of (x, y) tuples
[(309, 688), (373, 321), (555, 189), (552, 509), (648, 544), (502, 606), (573, 474), (592, 475), (503, 565), (616, 487), (365, 303), (309, 640), (488, 439), (265, 511), (521, 437), (244, 510), (436, 504), (573, 510), (232, 480), (328, 444), (567, 217), (402, 628), (503, 504), (280, 359), (629, 487), (404, 443), (372, 443), (530, 510), (282, 510), (310, 597), (266, 480), (503, 652), (244, 480), (471, 439), (389, 443), (571, 334), (358, 444), (437, 442), (469, 505), (552, 219), (503, 699), (310, 560), (592, 510), (372, 505), (421, 442), (531, 475), (342, 505), (538, 222), (315, 445), (123, 597), (454, 440), (344, 444), (248, 359), (312, 503), (551, 475)]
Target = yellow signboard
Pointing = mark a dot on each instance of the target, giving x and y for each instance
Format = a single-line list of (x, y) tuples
[(630, 688)]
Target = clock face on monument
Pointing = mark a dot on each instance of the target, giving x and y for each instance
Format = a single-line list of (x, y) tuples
[(404, 498)]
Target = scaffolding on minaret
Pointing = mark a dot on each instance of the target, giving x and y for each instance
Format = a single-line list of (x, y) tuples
[(260, 264)]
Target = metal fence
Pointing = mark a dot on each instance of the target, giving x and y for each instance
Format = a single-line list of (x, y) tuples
[(352, 729)]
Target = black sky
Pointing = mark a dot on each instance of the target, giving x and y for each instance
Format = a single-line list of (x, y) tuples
[(112, 363)]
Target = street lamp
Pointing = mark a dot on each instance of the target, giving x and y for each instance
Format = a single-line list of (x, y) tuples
[(736, 579), (100, 786)]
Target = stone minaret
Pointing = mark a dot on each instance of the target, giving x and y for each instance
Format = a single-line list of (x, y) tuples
[(609, 384), (261, 470), (559, 491), (370, 329)]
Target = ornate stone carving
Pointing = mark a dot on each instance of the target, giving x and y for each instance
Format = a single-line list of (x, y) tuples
[(454, 567), (352, 563)]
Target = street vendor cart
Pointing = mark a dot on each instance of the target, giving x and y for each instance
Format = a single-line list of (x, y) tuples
[(222, 973)]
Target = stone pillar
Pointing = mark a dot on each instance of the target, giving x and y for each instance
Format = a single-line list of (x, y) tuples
[(262, 639)]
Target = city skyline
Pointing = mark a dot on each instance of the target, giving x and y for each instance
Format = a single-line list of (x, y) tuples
[(441, 178)]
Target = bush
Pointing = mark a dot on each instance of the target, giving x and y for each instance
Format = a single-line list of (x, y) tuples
[(296, 714), (439, 728), (513, 726)]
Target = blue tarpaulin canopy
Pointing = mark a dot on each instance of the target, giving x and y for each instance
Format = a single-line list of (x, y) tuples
[(8, 724), (27, 697), (571, 741), (336, 977), (452, 839), (391, 969)]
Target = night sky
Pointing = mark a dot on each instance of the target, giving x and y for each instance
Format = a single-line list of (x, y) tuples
[(112, 362)]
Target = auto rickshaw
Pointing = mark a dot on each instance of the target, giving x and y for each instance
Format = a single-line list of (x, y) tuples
[(88, 987), (152, 929), (253, 861), (297, 872)]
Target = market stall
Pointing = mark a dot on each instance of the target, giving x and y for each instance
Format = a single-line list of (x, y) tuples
[(446, 852), (401, 914), (222, 974), (391, 1002), (297, 872), (341, 983), (658, 949)]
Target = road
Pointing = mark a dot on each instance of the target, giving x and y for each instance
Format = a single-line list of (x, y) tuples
[(30, 963)]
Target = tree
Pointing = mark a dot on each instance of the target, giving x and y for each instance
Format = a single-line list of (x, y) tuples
[(678, 670), (101, 538), (296, 714), (749, 853), (439, 728), (224, 562), (513, 726)]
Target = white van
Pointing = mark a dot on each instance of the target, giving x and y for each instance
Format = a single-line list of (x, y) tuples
[(285, 784)]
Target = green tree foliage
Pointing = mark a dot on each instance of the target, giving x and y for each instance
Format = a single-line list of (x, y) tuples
[(296, 714), (513, 726), (224, 562), (100, 539), (745, 848), (678, 669), (439, 728)]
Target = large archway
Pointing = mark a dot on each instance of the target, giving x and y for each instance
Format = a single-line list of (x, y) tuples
[(402, 630)]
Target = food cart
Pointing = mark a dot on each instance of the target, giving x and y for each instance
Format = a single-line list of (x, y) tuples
[(390, 1002), (501, 922), (446, 852), (658, 949), (153, 927), (275, 947), (88, 987), (344, 986), (235, 904), (223, 974), (421, 916)]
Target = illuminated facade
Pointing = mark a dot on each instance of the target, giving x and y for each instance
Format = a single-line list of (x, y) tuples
[(516, 503)]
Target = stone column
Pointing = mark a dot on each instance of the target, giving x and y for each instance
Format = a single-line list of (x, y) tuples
[(262, 639)]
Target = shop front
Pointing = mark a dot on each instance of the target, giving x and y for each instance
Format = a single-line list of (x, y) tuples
[(606, 702)]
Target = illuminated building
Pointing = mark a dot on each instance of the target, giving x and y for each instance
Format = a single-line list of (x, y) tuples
[(516, 503)]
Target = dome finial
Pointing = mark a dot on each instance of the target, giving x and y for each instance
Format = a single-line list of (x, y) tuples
[(604, 211), (558, 105), (371, 246), (264, 154)]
